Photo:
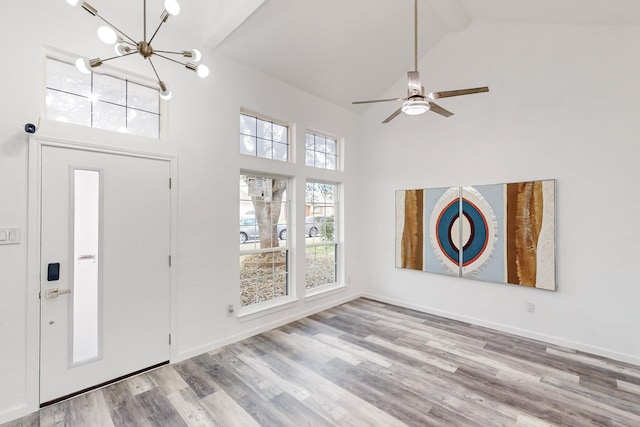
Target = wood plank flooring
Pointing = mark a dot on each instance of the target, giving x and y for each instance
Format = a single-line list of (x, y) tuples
[(366, 363)]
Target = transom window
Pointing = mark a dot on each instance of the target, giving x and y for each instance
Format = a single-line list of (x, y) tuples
[(321, 151), (264, 252), (101, 101), (320, 228), (263, 138)]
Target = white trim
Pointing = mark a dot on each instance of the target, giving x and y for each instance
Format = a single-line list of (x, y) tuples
[(600, 351), (100, 148), (14, 413), (324, 291), (266, 308), (195, 351), (173, 242), (32, 362)]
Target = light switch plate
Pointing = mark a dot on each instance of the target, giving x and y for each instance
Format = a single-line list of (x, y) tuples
[(10, 236)]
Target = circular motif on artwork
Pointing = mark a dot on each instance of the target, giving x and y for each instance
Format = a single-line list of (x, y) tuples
[(464, 224)]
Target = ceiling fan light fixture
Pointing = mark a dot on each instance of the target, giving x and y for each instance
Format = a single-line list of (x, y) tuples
[(415, 107)]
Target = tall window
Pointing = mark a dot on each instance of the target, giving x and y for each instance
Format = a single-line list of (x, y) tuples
[(101, 101), (321, 258), (263, 138), (264, 252), (321, 151)]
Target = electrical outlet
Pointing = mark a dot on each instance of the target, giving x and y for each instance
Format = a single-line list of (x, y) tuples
[(531, 307), (230, 309)]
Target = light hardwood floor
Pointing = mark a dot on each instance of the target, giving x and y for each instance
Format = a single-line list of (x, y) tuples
[(366, 363)]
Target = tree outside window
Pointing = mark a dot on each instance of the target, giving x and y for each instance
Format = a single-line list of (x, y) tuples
[(264, 269)]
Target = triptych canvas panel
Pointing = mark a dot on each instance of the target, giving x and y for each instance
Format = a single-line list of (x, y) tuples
[(498, 233)]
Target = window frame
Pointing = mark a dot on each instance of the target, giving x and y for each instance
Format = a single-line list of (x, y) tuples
[(110, 71), (260, 306), (298, 173), (338, 155), (335, 242), (264, 118)]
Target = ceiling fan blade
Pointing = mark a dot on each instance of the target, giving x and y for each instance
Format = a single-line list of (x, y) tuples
[(377, 100), (450, 93), (393, 116), (439, 110)]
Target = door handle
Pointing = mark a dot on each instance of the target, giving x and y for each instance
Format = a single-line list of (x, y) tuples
[(55, 292)]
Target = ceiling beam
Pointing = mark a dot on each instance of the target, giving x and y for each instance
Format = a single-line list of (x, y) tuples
[(452, 14), (225, 17)]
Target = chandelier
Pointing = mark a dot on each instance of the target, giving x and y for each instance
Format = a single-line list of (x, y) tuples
[(124, 45)]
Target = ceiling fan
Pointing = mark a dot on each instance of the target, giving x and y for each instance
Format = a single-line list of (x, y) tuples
[(416, 102)]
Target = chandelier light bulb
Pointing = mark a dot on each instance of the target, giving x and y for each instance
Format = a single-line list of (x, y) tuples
[(202, 70), (165, 93), (72, 2), (172, 7), (82, 64), (197, 56), (107, 35), (121, 49)]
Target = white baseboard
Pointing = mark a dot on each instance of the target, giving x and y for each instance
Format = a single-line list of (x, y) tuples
[(13, 413), (587, 348), (262, 328)]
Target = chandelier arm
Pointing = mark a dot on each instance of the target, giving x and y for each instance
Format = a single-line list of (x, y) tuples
[(118, 30), (119, 56), (155, 52), (162, 21), (168, 51), (154, 69)]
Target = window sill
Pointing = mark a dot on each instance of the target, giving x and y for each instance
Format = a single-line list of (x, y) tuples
[(266, 308), (324, 291)]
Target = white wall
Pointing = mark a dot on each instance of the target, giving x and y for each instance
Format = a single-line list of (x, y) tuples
[(203, 133), (563, 105)]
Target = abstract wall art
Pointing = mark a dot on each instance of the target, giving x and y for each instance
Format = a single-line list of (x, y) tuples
[(498, 233)]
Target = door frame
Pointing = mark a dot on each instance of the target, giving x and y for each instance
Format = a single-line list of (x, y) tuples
[(32, 355)]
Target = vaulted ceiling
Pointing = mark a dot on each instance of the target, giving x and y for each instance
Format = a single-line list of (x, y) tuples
[(346, 50)]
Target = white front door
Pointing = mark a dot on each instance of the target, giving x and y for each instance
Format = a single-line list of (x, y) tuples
[(105, 274)]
